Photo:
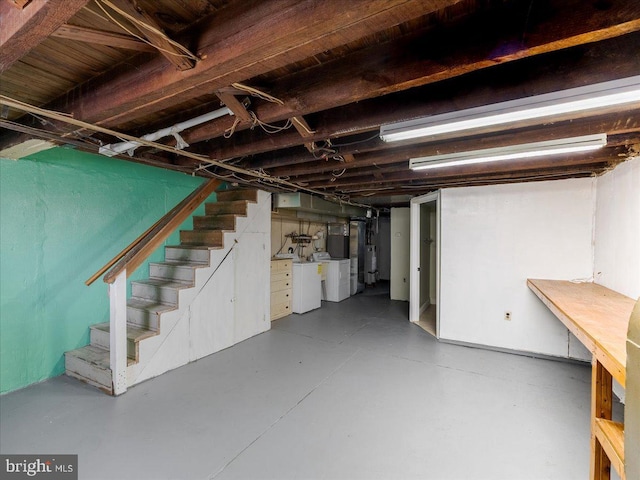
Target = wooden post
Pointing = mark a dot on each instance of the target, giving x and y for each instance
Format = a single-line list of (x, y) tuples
[(118, 332), (601, 407)]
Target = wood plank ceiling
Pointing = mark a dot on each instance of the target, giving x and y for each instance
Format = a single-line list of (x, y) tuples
[(311, 81)]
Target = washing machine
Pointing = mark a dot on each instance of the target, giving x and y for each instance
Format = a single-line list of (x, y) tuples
[(337, 274)]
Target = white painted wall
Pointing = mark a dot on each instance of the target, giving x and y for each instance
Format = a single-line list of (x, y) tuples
[(495, 237), (400, 227), (617, 233), (383, 240)]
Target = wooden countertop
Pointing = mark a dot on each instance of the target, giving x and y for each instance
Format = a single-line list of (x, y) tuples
[(596, 315)]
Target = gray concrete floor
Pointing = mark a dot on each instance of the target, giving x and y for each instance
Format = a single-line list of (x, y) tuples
[(352, 390)]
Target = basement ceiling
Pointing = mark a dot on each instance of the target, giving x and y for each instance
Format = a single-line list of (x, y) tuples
[(310, 82)]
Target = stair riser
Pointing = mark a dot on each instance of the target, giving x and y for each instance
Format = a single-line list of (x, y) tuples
[(212, 222), (187, 255), (230, 195), (170, 272), (143, 318), (101, 338), (155, 293), (202, 237), (87, 371), (239, 208)]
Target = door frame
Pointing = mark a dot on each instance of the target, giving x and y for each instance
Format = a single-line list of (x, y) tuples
[(414, 260)]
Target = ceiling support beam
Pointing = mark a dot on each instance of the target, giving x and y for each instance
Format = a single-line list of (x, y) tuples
[(366, 194), (625, 122), (467, 176), (24, 29), (20, 3), (140, 19), (235, 50), (235, 106), (305, 131), (363, 75), (101, 37)]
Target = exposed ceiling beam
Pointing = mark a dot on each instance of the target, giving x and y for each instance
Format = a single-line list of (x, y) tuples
[(24, 29), (436, 57), (235, 106), (236, 45), (20, 3), (305, 131), (101, 37), (151, 30), (414, 189), (623, 122), (474, 173)]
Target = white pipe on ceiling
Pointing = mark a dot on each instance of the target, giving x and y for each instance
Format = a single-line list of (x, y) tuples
[(117, 148)]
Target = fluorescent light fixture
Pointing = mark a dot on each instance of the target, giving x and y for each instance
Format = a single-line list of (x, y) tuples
[(512, 152), (599, 95)]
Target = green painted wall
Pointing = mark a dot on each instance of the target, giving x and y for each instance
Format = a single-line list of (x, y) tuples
[(64, 214)]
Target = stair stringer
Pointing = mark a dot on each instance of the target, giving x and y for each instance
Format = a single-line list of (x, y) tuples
[(222, 308)]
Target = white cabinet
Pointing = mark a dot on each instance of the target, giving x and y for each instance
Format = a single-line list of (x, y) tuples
[(306, 287), (281, 288), (337, 280)]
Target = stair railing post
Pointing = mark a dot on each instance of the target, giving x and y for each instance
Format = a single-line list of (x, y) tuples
[(118, 332)]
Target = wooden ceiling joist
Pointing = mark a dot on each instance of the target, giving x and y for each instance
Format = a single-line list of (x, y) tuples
[(367, 74), (305, 131), (101, 37), (235, 106), (20, 3), (148, 27), (621, 122), (24, 29), (342, 68), (234, 51), (466, 179)]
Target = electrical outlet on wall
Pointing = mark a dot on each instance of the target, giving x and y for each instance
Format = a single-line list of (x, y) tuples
[(507, 316)]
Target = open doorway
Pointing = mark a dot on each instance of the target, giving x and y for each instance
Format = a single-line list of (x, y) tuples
[(424, 262)]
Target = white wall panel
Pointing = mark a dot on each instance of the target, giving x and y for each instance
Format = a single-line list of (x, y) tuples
[(617, 239), (400, 228), (493, 239)]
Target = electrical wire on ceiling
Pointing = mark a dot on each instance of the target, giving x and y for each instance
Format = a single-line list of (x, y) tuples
[(65, 118), (347, 144), (257, 93), (186, 53)]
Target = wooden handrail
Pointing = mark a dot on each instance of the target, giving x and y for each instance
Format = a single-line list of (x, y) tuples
[(137, 252)]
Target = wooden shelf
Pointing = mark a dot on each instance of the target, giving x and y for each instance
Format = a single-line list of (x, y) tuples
[(611, 436), (599, 318)]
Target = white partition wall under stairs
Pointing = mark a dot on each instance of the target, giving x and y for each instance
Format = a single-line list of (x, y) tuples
[(201, 300)]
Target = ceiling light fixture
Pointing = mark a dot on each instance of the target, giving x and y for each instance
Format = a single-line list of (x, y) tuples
[(512, 152), (599, 95)]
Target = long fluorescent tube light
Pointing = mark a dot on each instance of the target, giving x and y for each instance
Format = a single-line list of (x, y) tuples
[(512, 152), (594, 96)]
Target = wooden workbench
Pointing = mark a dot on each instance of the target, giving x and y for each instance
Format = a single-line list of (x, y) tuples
[(599, 318)]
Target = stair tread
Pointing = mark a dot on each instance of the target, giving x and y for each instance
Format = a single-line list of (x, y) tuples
[(224, 216), (165, 283), (181, 263), (134, 332), (194, 247), (96, 356), (151, 305)]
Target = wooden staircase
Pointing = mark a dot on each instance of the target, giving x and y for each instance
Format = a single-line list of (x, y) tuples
[(159, 294)]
